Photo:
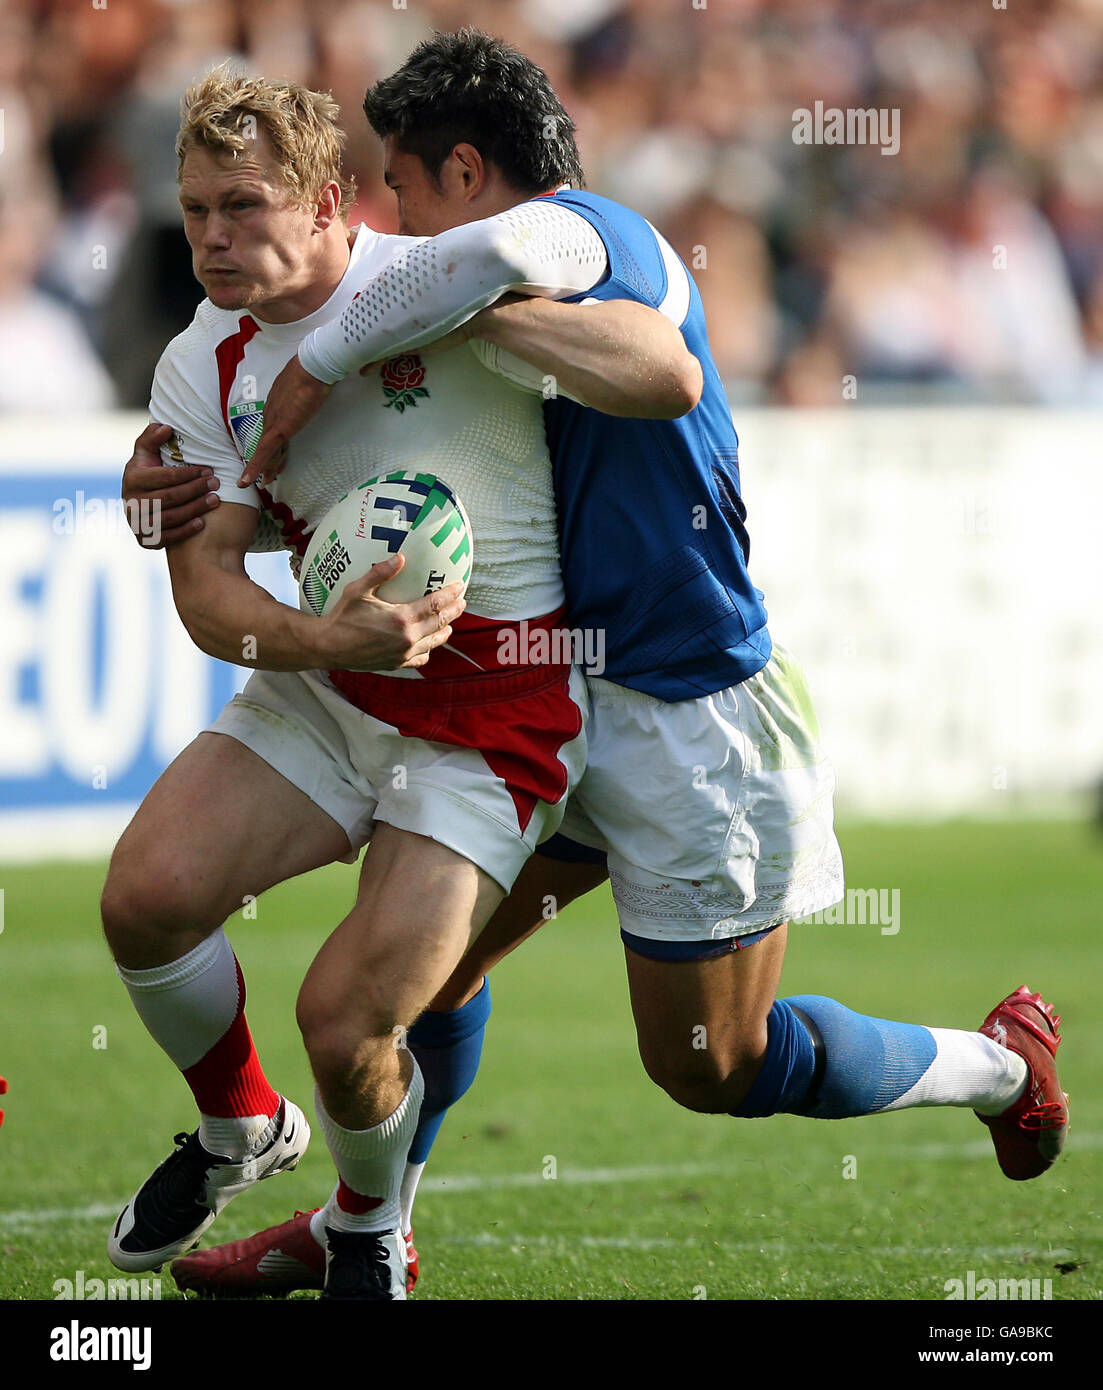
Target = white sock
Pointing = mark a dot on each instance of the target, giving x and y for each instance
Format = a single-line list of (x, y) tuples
[(371, 1162), (188, 1004), (406, 1201), (969, 1070), (410, 1180)]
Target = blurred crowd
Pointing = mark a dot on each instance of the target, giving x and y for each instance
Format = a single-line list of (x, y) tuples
[(966, 267)]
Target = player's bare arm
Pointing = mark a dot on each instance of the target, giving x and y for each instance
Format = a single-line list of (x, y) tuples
[(617, 356), (230, 617)]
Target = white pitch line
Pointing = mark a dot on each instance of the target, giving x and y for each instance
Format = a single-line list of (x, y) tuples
[(476, 1182), (479, 1182), (563, 1245), (98, 1211), (467, 1182)]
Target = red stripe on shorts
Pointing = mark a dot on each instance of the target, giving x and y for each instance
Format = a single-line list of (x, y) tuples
[(499, 644), (517, 721)]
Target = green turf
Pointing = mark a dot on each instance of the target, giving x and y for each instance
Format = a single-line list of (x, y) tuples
[(649, 1201)]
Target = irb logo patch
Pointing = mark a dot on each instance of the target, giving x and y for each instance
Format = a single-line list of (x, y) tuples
[(247, 422)]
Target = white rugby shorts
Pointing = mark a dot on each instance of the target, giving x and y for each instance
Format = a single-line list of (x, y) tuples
[(489, 778), (715, 814)]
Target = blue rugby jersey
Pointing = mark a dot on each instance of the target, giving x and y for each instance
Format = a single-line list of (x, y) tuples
[(653, 534)]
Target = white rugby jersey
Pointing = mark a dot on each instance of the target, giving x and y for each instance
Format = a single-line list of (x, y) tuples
[(444, 413)]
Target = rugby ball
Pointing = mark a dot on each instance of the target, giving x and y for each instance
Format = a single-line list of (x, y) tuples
[(416, 515)]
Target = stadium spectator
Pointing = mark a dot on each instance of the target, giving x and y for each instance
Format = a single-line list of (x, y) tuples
[(821, 259), (47, 364)]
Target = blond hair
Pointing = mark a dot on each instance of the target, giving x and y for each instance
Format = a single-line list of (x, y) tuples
[(224, 111)]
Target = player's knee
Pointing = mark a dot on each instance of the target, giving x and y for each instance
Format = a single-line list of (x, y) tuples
[(699, 1087), (710, 1083), (341, 1042), (334, 1055), (144, 910), (344, 1063)]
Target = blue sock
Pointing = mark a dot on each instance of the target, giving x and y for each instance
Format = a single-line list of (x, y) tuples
[(787, 1069), (826, 1061), (447, 1047)]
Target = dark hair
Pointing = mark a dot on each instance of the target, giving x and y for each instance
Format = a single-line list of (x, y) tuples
[(471, 88)]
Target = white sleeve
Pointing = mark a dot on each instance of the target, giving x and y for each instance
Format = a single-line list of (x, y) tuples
[(433, 286), (200, 436)]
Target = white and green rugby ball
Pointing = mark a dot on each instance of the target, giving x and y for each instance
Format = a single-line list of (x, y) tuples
[(415, 515)]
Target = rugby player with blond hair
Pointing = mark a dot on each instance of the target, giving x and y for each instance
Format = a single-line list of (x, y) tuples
[(300, 769)]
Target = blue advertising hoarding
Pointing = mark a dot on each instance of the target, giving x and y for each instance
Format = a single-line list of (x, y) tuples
[(100, 685)]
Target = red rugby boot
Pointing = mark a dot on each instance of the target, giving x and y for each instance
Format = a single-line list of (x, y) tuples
[(1029, 1135), (411, 1261), (275, 1261)]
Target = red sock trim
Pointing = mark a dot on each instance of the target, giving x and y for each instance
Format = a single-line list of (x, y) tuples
[(355, 1203), (229, 1080)]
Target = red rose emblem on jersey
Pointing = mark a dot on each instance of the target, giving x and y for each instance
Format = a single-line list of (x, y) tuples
[(402, 378)]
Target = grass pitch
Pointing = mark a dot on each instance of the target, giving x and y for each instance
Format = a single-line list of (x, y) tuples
[(648, 1201)]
